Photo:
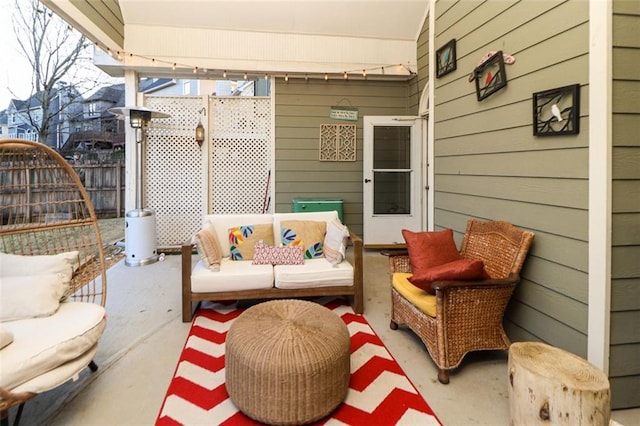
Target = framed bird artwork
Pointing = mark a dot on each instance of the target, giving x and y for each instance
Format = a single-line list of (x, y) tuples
[(446, 58), (556, 111), (490, 76)]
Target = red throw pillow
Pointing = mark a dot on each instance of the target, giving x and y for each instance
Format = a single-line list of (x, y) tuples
[(461, 269), (429, 249)]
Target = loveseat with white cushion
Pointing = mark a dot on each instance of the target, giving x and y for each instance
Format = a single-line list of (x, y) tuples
[(265, 256)]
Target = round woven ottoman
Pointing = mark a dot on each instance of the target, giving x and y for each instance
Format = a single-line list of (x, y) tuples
[(287, 362)]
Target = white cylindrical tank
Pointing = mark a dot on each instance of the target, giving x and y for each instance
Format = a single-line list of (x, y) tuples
[(140, 237)]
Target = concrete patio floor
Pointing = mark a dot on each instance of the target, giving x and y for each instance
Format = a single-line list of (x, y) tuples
[(139, 351)]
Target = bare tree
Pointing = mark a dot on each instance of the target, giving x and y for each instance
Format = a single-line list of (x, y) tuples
[(62, 69)]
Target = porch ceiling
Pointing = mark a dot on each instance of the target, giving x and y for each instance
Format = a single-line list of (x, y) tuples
[(394, 19), (255, 36)]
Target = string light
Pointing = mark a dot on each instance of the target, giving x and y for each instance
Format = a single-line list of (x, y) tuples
[(120, 56)]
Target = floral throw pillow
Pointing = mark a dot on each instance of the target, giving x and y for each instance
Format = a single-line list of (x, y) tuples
[(306, 233), (242, 239)]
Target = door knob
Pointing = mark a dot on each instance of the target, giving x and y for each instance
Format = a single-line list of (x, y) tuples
[(367, 180)]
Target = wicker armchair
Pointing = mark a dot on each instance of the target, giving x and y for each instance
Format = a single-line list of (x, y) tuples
[(45, 210), (468, 314)]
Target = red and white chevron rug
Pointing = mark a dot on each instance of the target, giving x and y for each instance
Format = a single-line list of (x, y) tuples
[(379, 392)]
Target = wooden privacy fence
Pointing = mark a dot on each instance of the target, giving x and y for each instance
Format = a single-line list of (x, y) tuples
[(105, 185)]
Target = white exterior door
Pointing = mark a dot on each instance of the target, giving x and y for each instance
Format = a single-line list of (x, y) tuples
[(392, 179)]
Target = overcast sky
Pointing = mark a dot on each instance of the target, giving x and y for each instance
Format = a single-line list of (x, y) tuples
[(15, 72)]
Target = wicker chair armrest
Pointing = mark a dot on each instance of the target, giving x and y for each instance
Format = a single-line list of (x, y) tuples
[(398, 260), (511, 280)]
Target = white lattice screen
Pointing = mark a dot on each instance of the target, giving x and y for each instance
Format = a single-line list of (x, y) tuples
[(172, 168), (241, 154), (240, 150)]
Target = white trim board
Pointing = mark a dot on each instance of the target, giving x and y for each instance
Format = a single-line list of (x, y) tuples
[(600, 160)]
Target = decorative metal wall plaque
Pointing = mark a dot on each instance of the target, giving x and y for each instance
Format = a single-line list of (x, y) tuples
[(556, 112), (446, 58), (337, 142), (490, 76)]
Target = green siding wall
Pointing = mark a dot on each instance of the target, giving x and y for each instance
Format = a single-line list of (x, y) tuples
[(300, 108), (625, 274), (489, 165)]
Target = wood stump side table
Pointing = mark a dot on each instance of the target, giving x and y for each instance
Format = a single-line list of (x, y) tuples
[(287, 362), (548, 385)]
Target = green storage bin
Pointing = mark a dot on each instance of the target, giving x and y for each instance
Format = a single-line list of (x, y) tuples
[(318, 205)]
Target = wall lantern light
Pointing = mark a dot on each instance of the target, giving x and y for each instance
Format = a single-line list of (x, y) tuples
[(200, 128), (200, 133)]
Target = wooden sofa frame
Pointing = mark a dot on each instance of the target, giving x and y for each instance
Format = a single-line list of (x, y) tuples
[(354, 293)]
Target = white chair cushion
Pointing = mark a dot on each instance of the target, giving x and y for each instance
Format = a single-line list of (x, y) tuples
[(30, 296), (59, 375), (13, 265), (6, 337), (42, 344), (233, 275), (314, 273)]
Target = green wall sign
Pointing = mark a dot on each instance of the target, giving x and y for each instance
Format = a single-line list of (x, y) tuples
[(343, 113)]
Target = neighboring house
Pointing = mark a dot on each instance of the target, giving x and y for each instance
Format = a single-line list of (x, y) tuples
[(4, 127), (77, 124), (191, 87), (24, 116), (580, 287), (18, 123), (95, 128)]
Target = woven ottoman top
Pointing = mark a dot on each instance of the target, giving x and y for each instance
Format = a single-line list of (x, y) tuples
[(287, 361)]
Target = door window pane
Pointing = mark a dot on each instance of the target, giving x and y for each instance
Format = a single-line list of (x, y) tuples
[(392, 147), (391, 193)]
